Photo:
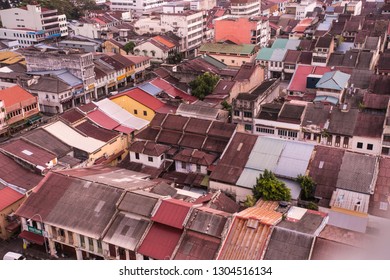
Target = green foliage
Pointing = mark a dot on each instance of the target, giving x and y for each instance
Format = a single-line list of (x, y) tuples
[(268, 187), (73, 9), (174, 58), (203, 85), (307, 187), (312, 206), (129, 47), (250, 201), (226, 105)]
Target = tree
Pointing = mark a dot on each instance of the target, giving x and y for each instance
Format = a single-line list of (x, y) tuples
[(174, 57), (129, 47), (203, 85), (307, 187), (250, 201), (268, 187)]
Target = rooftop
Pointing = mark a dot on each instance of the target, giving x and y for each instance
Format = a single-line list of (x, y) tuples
[(221, 48)]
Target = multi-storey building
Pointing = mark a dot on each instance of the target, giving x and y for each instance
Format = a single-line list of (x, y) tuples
[(243, 30), (31, 24), (188, 25), (136, 6), (77, 63), (245, 7)]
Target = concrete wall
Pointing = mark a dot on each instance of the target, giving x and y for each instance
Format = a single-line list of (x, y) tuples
[(144, 159)]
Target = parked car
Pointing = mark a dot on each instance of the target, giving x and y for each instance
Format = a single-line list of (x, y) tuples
[(10, 256)]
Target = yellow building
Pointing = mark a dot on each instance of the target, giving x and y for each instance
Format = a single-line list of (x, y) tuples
[(10, 200), (111, 46), (140, 104)]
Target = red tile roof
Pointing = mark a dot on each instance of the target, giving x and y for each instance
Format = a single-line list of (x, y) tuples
[(14, 95), (73, 115), (143, 98), (8, 197), (171, 90), (160, 242), (172, 212), (94, 131), (298, 82), (102, 119)]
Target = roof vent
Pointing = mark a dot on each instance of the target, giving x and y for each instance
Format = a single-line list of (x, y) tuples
[(239, 147)]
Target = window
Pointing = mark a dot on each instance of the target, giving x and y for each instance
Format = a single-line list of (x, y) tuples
[(136, 155), (248, 127), (183, 165), (233, 61), (82, 241), (145, 113), (370, 147), (150, 159), (282, 132), (383, 206), (197, 168), (90, 242), (346, 142), (329, 140), (359, 145), (162, 157), (265, 130), (135, 112), (338, 140), (236, 113), (293, 134), (247, 114)]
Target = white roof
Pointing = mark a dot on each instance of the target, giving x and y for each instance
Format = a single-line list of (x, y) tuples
[(72, 138), (119, 114), (287, 159)]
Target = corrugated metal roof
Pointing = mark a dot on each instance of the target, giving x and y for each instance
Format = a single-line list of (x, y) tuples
[(126, 231), (278, 55), (150, 88), (140, 203), (292, 44), (279, 43), (73, 204), (286, 244), (72, 138), (8, 197), (227, 48), (197, 246), (350, 200), (357, 172), (160, 242), (282, 157), (207, 222), (172, 212), (264, 54), (333, 80), (102, 119), (120, 115), (264, 211), (44, 139)]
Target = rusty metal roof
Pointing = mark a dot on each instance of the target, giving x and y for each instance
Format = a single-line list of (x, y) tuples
[(208, 221), (139, 202), (172, 212), (197, 246)]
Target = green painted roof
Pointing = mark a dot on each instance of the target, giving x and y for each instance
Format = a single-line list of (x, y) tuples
[(264, 54), (279, 43), (227, 48)]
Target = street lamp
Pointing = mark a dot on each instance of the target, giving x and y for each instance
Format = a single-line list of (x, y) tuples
[(43, 228)]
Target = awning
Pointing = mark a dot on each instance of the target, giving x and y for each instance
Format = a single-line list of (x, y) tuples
[(32, 237), (33, 119), (12, 227)]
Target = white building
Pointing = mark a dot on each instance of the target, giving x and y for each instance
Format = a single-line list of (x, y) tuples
[(40, 22), (148, 153), (245, 7), (187, 25), (136, 6), (300, 9)]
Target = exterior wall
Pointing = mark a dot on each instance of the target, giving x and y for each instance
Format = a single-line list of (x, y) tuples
[(134, 107), (250, 8), (159, 54), (54, 103), (4, 234), (21, 111), (25, 38), (3, 122), (88, 30), (189, 168), (238, 192), (111, 148), (376, 142), (233, 60), (280, 129), (144, 159), (109, 47)]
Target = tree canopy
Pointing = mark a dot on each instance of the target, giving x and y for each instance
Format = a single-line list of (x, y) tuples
[(307, 187), (73, 9), (129, 47), (203, 85), (268, 187)]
